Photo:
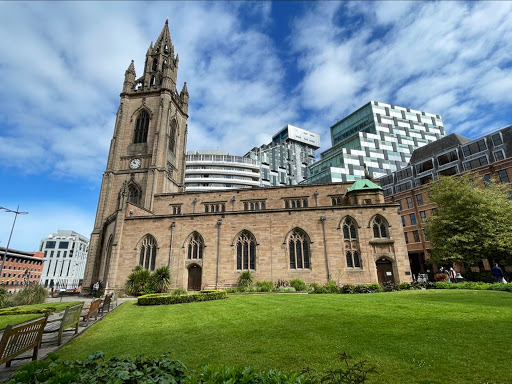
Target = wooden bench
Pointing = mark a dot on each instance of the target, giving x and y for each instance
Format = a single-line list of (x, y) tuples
[(70, 318), (105, 304), (92, 310), (20, 338)]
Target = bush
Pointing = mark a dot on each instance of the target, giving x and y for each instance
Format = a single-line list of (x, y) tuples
[(286, 289), (4, 297), (348, 289), (405, 286), (264, 286), (24, 310), (298, 284), (362, 288), (441, 277), (317, 288), (165, 298), (389, 286), (375, 288), (161, 279), (281, 283), (180, 291), (137, 281), (331, 287), (483, 276), (30, 294), (245, 279)]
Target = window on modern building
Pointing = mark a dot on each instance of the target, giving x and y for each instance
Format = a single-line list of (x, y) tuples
[(425, 234), (474, 147), (298, 249), (409, 202), (416, 235), (475, 163), (502, 174), (50, 244), (147, 254), (419, 199), (58, 253), (487, 179), (498, 155), (403, 187), (406, 238), (380, 227), (246, 251), (496, 139), (141, 128), (423, 216), (413, 218), (63, 245), (449, 172), (399, 202), (195, 247), (403, 221), (425, 166), (447, 158), (425, 180)]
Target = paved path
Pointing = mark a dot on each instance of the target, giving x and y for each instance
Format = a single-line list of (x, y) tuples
[(49, 344)]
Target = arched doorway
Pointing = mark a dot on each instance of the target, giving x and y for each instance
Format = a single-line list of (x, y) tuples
[(384, 270), (194, 278)]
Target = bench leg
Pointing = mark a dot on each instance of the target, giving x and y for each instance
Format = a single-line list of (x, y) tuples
[(36, 350)]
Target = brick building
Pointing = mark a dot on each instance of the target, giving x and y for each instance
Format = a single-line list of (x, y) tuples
[(20, 268), (490, 156), (344, 231)]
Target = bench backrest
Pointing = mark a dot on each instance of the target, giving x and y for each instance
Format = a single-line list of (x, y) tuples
[(71, 315), (95, 305), (106, 301), (20, 338)]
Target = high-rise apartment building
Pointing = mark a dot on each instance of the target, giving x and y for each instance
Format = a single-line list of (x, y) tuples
[(285, 159), (65, 254), (215, 170), (380, 135), (488, 156)]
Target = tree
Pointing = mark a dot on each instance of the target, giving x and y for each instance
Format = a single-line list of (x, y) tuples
[(471, 222)]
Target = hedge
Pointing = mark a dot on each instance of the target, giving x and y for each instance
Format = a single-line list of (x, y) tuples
[(166, 298)]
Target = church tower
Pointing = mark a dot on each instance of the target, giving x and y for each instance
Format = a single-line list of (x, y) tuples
[(147, 151)]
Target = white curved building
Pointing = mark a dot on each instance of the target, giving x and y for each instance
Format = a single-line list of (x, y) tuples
[(216, 170)]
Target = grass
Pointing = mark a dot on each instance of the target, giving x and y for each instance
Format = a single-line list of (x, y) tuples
[(16, 319), (434, 336)]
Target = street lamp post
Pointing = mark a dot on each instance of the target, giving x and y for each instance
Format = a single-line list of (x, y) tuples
[(16, 213)]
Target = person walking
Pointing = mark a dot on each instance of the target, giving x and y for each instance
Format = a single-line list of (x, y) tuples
[(453, 275), (95, 288), (497, 272)]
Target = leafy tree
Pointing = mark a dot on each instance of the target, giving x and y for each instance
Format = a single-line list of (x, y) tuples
[(137, 281), (470, 222)]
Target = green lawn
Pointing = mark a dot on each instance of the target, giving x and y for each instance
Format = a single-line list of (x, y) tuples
[(434, 336), (16, 319)]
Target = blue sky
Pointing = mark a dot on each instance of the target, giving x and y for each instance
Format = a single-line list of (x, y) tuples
[(250, 67)]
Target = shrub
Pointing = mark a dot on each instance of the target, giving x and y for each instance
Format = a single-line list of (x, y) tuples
[(281, 283), (298, 284), (4, 297), (180, 291), (405, 286), (441, 277), (245, 279), (348, 288), (375, 287), (264, 286), (137, 281), (317, 288), (389, 286), (165, 298), (161, 279), (286, 289), (30, 294), (483, 276), (331, 287), (362, 288), (21, 310)]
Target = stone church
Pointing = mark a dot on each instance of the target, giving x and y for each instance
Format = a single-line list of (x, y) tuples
[(343, 232)]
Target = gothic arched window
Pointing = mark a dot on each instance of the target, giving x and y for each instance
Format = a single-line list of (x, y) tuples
[(380, 227), (141, 128), (155, 64), (164, 64), (133, 194), (195, 246), (172, 135), (147, 255), (351, 243), (246, 251), (298, 248)]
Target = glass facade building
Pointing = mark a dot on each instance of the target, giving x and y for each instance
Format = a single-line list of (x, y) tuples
[(378, 135)]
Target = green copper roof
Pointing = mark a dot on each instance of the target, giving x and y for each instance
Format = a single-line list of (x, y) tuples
[(363, 184)]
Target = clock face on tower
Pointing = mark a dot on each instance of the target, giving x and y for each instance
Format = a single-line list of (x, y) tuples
[(135, 163)]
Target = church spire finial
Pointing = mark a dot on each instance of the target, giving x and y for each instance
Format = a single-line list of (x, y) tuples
[(167, 20)]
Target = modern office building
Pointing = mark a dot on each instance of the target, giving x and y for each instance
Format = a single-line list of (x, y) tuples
[(489, 156), (217, 170), (65, 254), (380, 135), (285, 160), (20, 268)]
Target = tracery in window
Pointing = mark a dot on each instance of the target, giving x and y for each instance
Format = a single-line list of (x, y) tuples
[(195, 247), (298, 249), (147, 253), (351, 243), (172, 135), (141, 128), (380, 227), (133, 194), (246, 251)]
